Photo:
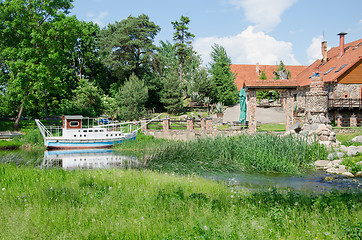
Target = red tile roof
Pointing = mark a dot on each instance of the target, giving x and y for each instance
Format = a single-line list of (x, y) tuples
[(352, 55), (247, 73)]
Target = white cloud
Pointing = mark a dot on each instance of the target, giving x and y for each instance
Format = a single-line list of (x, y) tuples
[(250, 46), (98, 18), (265, 14), (314, 50)]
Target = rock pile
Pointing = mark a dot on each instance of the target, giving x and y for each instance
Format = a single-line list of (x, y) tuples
[(316, 127)]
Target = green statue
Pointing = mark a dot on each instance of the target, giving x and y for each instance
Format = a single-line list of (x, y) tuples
[(242, 99)]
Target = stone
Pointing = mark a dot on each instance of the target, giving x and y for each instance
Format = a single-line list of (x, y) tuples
[(331, 156), (297, 127), (314, 126), (326, 132), (306, 127), (357, 139), (327, 144), (352, 151), (328, 179), (323, 138), (348, 174), (340, 155), (321, 163), (332, 139), (183, 117), (304, 133), (358, 174), (337, 162)]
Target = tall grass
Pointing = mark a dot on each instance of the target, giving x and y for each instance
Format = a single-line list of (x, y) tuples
[(119, 204), (259, 153)]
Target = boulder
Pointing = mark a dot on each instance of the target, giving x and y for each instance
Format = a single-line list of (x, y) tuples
[(297, 127), (340, 155), (357, 139), (348, 174), (352, 151), (183, 117), (323, 138), (358, 174), (321, 163)]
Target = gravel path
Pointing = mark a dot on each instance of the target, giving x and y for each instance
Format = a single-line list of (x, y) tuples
[(263, 115)]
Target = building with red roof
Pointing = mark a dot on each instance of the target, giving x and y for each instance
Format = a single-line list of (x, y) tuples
[(340, 69)]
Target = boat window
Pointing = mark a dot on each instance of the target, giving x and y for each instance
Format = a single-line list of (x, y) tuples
[(106, 135), (85, 135), (75, 135), (85, 130), (115, 135), (95, 130), (74, 124), (80, 135), (90, 130), (101, 130)]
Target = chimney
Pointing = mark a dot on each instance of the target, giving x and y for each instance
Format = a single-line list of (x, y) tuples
[(324, 52), (257, 69), (341, 43)]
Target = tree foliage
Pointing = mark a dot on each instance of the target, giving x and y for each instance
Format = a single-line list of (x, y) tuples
[(127, 46), (37, 41), (172, 93), (132, 98), (281, 67), (226, 90), (183, 39), (87, 100)]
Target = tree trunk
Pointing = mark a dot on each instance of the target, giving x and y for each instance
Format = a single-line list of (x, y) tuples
[(17, 119)]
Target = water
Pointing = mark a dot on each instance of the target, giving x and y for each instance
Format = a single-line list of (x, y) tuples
[(108, 158)]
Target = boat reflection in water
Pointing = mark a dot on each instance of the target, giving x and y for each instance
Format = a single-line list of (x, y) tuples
[(88, 159)]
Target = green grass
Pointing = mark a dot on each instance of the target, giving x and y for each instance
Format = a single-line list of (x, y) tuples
[(4, 144), (259, 153), (345, 138), (142, 143), (130, 204), (354, 163), (271, 127)]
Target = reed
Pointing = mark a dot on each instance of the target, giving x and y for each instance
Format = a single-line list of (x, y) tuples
[(130, 204), (259, 153)]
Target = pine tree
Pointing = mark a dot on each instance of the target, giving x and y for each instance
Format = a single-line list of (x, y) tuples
[(226, 90), (171, 95)]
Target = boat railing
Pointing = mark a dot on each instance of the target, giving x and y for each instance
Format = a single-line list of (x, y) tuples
[(43, 130)]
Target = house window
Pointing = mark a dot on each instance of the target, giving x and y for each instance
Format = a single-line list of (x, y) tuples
[(345, 95)]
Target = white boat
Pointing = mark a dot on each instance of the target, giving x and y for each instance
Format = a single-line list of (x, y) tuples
[(98, 133)]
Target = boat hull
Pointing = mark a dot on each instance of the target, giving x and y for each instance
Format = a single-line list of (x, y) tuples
[(61, 143)]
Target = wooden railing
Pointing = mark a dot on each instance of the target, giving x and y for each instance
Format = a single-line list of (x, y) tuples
[(344, 103)]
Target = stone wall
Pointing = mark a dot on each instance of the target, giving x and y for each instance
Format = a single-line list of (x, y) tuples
[(352, 90)]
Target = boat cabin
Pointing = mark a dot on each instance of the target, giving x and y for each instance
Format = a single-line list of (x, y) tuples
[(72, 122)]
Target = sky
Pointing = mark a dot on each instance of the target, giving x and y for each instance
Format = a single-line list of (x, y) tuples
[(251, 31)]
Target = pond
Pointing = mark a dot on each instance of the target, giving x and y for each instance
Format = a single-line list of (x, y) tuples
[(108, 158)]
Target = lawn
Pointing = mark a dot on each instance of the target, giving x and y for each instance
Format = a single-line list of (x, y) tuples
[(131, 204)]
